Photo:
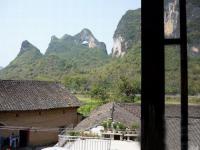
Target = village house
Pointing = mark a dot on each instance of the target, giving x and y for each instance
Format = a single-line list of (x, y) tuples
[(34, 112)]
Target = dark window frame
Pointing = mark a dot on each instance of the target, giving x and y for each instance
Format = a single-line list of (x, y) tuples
[(153, 75)]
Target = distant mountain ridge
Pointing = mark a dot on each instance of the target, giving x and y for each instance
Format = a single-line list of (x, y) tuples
[(27, 47), (85, 37), (69, 53)]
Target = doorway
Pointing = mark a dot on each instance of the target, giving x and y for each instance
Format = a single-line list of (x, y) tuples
[(24, 138)]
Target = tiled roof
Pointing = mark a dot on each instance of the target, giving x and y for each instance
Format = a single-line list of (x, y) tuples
[(22, 95), (103, 113), (172, 120), (170, 110), (129, 112), (173, 136)]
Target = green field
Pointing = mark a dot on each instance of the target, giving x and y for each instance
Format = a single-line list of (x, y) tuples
[(192, 100), (88, 104)]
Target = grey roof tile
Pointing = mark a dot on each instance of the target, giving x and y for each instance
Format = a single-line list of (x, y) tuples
[(23, 95)]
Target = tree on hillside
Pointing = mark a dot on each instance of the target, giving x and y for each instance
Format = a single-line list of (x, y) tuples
[(76, 83), (125, 89), (100, 91)]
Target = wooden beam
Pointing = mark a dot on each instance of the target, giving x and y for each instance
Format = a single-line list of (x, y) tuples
[(184, 76), (172, 41), (153, 86)]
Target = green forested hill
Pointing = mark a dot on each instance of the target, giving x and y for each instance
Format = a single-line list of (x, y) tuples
[(121, 76), (63, 56)]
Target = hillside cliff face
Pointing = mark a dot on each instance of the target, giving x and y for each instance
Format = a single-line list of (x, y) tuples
[(127, 33), (84, 38), (171, 19), (87, 38), (128, 29)]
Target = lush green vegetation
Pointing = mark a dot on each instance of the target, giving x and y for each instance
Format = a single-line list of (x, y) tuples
[(109, 125), (118, 126), (88, 104), (118, 80)]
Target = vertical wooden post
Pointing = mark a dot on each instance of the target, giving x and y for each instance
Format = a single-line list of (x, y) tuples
[(184, 76), (153, 89)]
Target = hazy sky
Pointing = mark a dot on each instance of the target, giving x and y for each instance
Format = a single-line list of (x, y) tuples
[(37, 20)]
